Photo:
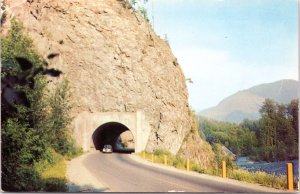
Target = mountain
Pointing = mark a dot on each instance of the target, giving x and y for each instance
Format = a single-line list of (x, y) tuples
[(246, 104)]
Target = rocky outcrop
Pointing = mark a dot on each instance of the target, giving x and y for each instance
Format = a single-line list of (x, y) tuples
[(113, 60), (193, 147)]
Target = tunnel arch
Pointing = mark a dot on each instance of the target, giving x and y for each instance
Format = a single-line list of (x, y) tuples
[(87, 122), (108, 133)]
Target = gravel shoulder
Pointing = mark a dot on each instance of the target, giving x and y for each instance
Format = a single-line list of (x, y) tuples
[(80, 179)]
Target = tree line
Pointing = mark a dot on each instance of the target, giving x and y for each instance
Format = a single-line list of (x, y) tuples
[(273, 137)]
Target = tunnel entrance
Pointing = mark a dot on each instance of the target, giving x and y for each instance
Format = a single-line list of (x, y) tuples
[(110, 134)]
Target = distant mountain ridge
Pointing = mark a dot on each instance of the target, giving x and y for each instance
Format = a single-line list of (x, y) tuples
[(246, 103)]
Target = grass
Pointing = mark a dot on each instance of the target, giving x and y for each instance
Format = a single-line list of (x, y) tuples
[(262, 178), (159, 157), (55, 176), (172, 160), (58, 170), (53, 173)]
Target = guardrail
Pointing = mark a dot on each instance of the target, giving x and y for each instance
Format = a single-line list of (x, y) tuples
[(224, 169), (290, 176), (289, 167), (289, 170)]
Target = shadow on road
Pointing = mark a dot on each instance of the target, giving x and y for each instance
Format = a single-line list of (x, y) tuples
[(122, 151), (74, 188)]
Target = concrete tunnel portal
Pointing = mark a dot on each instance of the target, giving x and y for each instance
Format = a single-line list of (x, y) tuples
[(92, 130), (108, 134)]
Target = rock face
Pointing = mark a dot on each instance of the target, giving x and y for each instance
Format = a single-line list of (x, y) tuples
[(113, 60), (193, 147), (198, 150)]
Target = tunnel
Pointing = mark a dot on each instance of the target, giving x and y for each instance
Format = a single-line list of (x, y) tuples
[(109, 133)]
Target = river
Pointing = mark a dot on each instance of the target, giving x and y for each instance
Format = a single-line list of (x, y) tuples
[(277, 168)]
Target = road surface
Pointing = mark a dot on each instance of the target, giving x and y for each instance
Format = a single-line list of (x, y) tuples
[(124, 173)]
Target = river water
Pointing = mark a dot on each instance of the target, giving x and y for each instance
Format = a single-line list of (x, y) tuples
[(277, 168)]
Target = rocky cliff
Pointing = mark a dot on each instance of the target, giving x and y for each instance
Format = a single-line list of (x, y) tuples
[(113, 60), (193, 147)]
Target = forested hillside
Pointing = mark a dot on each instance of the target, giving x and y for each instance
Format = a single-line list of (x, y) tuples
[(273, 137)]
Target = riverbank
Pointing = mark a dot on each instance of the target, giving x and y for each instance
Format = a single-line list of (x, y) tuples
[(275, 168)]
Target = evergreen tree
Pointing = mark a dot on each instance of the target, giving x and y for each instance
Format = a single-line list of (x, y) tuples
[(273, 137), (278, 136)]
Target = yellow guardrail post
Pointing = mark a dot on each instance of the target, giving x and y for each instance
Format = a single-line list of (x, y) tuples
[(144, 155), (165, 157), (188, 165), (290, 176), (223, 169), (152, 158)]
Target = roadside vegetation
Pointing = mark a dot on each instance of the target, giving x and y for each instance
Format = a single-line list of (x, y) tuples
[(233, 172), (273, 137), (137, 6), (36, 140)]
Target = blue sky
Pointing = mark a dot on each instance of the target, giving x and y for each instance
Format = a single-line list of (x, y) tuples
[(229, 45)]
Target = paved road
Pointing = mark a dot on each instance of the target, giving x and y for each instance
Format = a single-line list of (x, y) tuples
[(120, 173)]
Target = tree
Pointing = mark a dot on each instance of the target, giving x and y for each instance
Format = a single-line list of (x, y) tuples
[(21, 92), (293, 110), (26, 125), (278, 133), (268, 129), (59, 119), (273, 137), (21, 78)]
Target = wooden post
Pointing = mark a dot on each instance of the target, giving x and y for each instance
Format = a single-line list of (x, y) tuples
[(188, 165), (152, 158), (223, 169), (290, 177), (165, 157)]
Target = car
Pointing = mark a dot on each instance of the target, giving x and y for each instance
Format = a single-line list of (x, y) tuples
[(107, 149)]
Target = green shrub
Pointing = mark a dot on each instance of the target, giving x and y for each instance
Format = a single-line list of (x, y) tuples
[(34, 132), (20, 148), (28, 179), (18, 44), (52, 172), (197, 168), (178, 162), (55, 185), (161, 152), (262, 178), (212, 171)]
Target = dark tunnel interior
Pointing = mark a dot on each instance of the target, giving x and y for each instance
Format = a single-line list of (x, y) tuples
[(109, 133)]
